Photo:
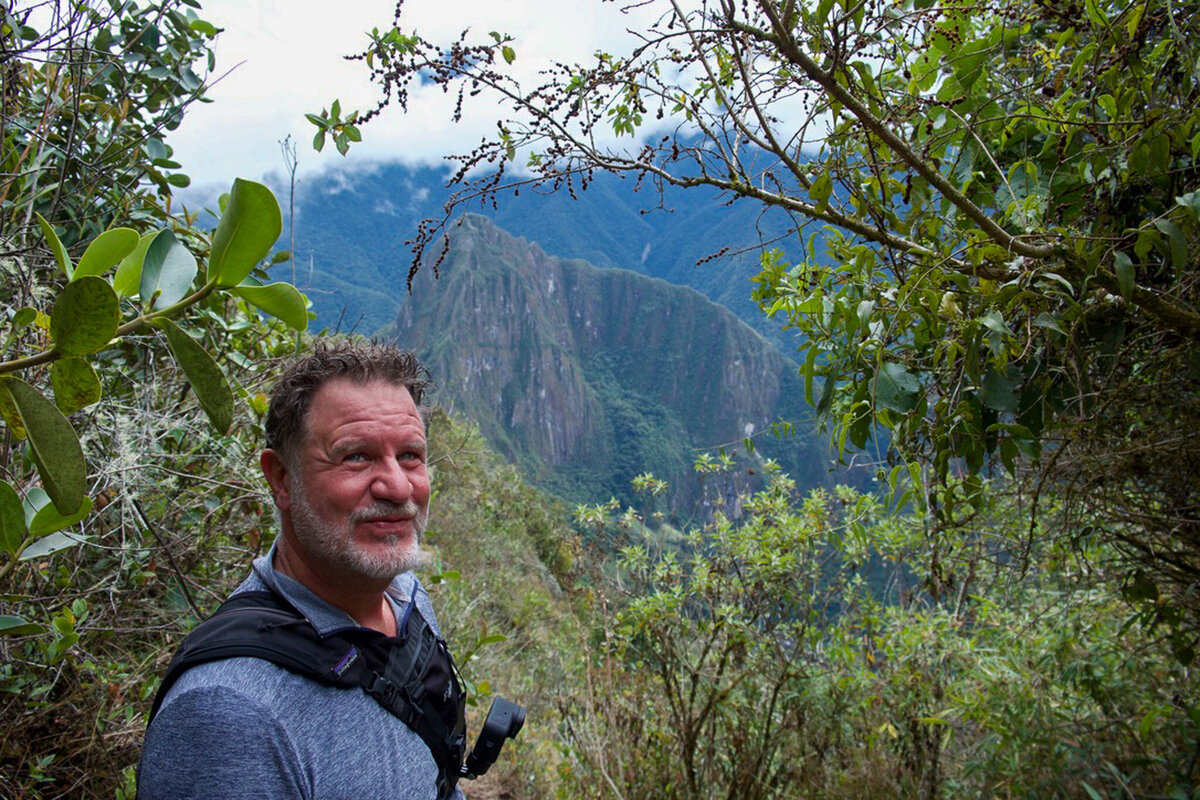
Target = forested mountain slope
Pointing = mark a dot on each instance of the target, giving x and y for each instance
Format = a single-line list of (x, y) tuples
[(587, 377)]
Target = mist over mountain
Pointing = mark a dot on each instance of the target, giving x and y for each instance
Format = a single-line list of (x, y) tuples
[(587, 377), (351, 228)]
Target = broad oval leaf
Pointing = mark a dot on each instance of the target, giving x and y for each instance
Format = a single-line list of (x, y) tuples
[(106, 250), (1177, 241), (53, 444), (128, 279), (207, 380), (12, 520), (250, 224), (167, 272), (56, 245), (75, 384), (999, 390), (12, 625), (52, 544), (48, 520), (24, 318), (281, 300), (85, 316), (896, 388)]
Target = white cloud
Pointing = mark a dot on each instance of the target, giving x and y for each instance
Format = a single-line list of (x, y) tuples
[(286, 58)]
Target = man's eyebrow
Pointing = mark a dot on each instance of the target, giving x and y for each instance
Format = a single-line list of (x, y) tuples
[(350, 445), (346, 446)]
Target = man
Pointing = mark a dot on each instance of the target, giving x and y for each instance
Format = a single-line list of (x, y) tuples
[(346, 465)]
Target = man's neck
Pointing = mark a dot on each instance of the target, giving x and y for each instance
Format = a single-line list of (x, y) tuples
[(367, 605)]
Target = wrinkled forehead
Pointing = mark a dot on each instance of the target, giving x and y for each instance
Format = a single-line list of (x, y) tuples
[(339, 397), (378, 398)]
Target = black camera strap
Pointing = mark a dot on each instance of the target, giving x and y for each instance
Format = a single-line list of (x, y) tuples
[(411, 675)]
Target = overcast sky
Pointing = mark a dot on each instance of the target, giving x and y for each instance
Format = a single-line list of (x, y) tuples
[(286, 60)]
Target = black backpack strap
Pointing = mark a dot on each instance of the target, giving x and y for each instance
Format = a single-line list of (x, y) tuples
[(420, 686), (258, 624), (412, 675)]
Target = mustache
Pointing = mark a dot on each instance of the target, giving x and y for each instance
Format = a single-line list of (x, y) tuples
[(385, 509)]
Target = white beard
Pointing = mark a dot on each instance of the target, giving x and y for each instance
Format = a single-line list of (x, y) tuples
[(334, 546)]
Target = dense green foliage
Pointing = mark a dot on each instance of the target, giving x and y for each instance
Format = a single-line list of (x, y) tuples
[(793, 655)]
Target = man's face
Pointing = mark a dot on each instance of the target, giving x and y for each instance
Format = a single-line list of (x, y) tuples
[(359, 492)]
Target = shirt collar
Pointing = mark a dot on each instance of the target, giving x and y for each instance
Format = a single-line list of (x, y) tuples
[(325, 618)]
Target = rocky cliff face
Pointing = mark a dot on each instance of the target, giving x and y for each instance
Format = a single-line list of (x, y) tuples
[(586, 377)]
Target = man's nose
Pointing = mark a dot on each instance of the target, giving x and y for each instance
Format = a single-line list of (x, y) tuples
[(391, 482)]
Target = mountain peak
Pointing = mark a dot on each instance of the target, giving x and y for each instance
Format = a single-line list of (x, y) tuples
[(587, 377)]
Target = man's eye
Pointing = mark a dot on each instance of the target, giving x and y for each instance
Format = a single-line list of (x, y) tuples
[(355, 458)]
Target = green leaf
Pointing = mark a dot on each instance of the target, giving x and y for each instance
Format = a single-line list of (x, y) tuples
[(825, 402), (12, 417), (75, 384), (1050, 322), (106, 250), (491, 639), (249, 227), (207, 380), (1123, 266), (48, 520), (56, 245), (281, 300), (24, 318), (129, 271), (11, 625), (821, 189), (167, 272), (35, 500), (85, 316), (999, 391), (508, 53), (12, 520), (53, 444), (52, 544), (896, 388), (1178, 242), (808, 370), (1191, 201)]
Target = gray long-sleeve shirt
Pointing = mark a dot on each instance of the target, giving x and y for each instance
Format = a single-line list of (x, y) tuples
[(246, 728)]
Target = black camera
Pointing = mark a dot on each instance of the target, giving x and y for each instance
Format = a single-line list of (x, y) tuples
[(504, 721)]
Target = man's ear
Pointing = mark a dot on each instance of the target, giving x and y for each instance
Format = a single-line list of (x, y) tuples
[(278, 478)]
